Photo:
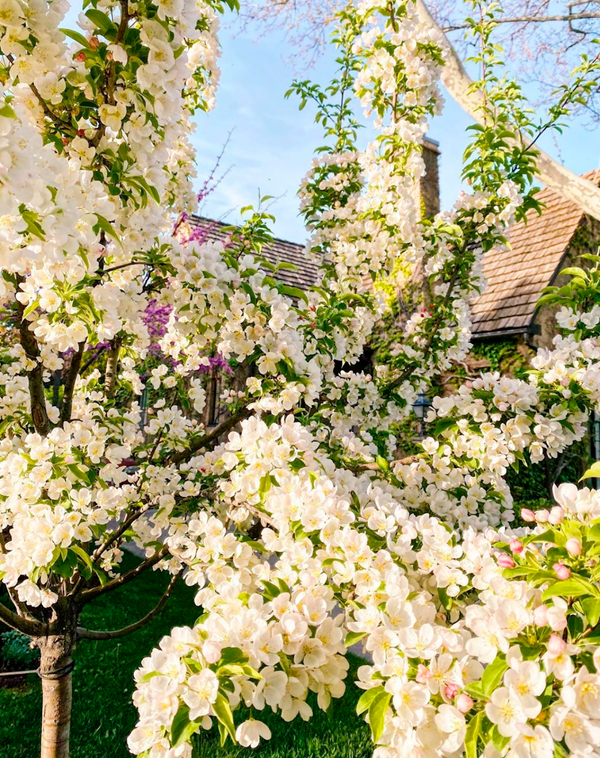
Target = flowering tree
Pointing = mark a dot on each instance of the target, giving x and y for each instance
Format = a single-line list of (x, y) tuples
[(301, 531)]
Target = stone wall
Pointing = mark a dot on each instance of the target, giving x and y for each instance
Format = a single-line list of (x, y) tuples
[(585, 240)]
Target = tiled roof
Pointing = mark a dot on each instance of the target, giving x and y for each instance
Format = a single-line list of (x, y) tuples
[(516, 277), (279, 251)]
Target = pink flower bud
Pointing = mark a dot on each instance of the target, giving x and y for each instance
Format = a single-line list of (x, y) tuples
[(574, 546), (423, 674), (540, 615), (542, 516), (556, 645), (527, 515), (505, 561), (451, 691), (561, 571), (516, 546), (557, 514), (464, 703)]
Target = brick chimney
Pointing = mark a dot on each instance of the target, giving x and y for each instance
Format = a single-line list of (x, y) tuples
[(430, 183)]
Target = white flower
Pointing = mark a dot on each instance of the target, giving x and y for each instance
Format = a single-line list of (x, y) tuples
[(579, 733), (118, 53), (452, 722), (250, 733), (532, 742), (505, 710), (409, 699), (527, 681), (201, 693), (270, 689)]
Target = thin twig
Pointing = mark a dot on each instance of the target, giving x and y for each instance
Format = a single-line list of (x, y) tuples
[(203, 442)]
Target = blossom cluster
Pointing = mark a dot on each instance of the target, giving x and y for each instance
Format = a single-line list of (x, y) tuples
[(459, 631)]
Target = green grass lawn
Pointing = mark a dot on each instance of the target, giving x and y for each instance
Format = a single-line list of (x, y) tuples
[(103, 714)]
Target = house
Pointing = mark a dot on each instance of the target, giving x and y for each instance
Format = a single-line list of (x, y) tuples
[(283, 251), (506, 312), (539, 250)]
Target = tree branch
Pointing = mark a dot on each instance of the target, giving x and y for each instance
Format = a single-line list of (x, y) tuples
[(119, 532), (94, 358), (120, 581), (530, 19), (227, 425), (91, 634), (70, 381), (582, 192), (110, 380), (37, 395), (25, 625)]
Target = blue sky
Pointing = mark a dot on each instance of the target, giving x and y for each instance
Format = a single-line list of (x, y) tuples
[(272, 143)]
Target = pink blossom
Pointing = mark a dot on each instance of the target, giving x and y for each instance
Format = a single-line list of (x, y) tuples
[(464, 703), (557, 514), (516, 546), (505, 561), (527, 515), (574, 546), (562, 571), (540, 615), (556, 645)]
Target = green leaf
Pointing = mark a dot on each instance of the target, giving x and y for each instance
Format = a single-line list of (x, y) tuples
[(294, 292), (353, 637), (100, 20), (6, 111), (77, 37), (492, 675), (80, 552), (79, 473), (30, 308), (550, 535), (472, 735), (377, 711), (574, 271), (105, 226), (441, 425), (151, 675), (223, 713), (232, 655), (499, 741), (593, 471), (575, 625), (475, 689), (254, 545), (444, 599), (573, 587), (182, 728), (591, 608), (365, 700), (382, 463), (272, 590)]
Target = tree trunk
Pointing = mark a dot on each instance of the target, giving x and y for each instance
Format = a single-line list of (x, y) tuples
[(56, 668)]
